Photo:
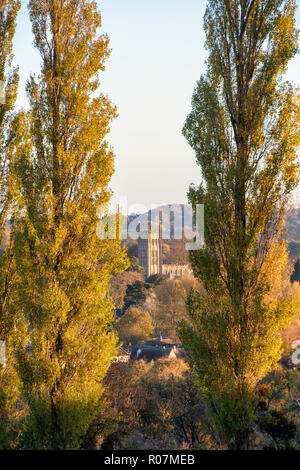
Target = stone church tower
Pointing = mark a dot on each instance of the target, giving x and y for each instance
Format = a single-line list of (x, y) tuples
[(150, 253), (151, 257)]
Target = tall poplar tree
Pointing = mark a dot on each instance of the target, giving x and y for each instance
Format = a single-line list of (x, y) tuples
[(8, 93), (244, 128), (64, 172)]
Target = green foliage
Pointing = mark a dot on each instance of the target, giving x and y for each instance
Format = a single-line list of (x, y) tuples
[(64, 167), (135, 326), (10, 77), (134, 265), (244, 128), (155, 279), (280, 428), (278, 410), (158, 407), (8, 316), (293, 233), (9, 395), (136, 294)]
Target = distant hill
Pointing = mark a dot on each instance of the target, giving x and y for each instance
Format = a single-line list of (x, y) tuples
[(174, 250)]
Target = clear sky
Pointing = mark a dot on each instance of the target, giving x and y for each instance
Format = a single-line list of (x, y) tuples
[(157, 56)]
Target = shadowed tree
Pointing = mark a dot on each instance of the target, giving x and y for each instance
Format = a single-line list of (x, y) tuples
[(244, 128), (8, 93), (170, 307)]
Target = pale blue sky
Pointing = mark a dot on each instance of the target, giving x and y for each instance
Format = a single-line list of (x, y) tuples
[(157, 56)]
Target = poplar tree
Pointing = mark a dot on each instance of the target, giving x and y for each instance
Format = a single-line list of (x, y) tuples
[(8, 93), (64, 172), (244, 128)]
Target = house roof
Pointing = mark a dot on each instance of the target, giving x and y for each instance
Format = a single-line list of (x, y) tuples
[(149, 354)]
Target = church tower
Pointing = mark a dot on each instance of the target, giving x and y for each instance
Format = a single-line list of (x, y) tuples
[(150, 253)]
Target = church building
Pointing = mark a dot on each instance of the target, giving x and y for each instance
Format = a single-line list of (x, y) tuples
[(150, 258)]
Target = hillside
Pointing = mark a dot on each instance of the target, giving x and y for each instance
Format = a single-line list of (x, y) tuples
[(174, 250)]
